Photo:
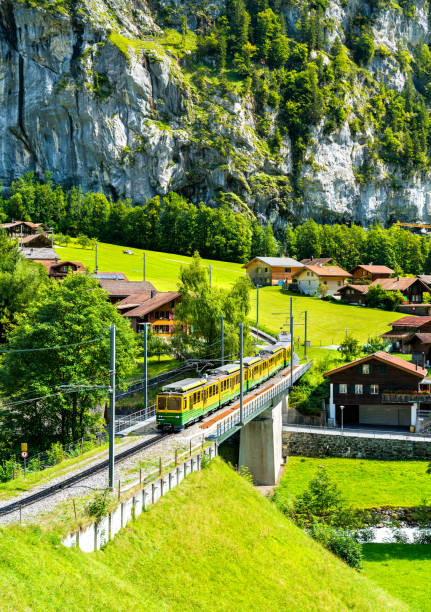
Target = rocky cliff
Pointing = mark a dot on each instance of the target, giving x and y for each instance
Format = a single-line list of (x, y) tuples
[(110, 95)]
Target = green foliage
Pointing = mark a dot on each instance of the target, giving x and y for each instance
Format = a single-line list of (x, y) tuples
[(55, 453), (374, 344), (98, 506), (377, 297), (338, 542), (350, 348)]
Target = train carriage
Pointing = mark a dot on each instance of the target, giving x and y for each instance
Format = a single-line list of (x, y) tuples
[(184, 402)]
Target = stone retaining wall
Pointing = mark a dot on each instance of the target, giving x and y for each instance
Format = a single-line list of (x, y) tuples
[(323, 445)]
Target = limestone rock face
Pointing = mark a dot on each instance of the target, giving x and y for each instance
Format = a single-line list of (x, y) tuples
[(84, 95)]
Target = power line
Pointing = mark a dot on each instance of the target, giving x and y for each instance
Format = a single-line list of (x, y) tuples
[(50, 348)]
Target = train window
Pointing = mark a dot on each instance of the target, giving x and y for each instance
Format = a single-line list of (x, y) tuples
[(199, 396), (173, 403), (161, 403)]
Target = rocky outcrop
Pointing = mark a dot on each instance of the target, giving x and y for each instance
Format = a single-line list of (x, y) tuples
[(86, 95)]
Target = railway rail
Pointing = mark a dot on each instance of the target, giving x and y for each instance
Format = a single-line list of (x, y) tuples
[(72, 480)]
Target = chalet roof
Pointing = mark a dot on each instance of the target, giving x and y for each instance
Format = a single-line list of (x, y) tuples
[(383, 357), (423, 338), (133, 300), (323, 261), (39, 254), (372, 269), (52, 265), (411, 322), (110, 276), (27, 223), (156, 302), (287, 262), (399, 283), (27, 240), (123, 288), (361, 288), (325, 271)]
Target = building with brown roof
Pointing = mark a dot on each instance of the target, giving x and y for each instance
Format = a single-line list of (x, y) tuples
[(120, 289), (412, 288), (19, 229), (310, 277), (272, 270), (404, 336), (158, 310), (370, 273), (354, 294), (60, 269), (377, 390), (316, 261)]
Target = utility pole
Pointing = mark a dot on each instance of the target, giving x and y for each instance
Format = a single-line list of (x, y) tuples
[(96, 267), (222, 340), (112, 407), (146, 366), (291, 347), (144, 268), (305, 335), (241, 374), (257, 305)]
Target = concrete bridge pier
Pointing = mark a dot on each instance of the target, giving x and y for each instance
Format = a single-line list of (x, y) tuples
[(260, 447)]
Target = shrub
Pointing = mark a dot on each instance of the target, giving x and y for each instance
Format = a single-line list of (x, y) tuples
[(350, 348), (340, 543), (55, 453), (99, 505)]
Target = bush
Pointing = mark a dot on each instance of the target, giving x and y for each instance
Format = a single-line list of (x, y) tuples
[(98, 507), (350, 348), (55, 453), (340, 543)]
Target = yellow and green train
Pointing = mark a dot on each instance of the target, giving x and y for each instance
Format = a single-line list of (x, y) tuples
[(186, 401)]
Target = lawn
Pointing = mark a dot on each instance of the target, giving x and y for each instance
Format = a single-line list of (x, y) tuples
[(192, 551), (365, 483), (402, 569), (162, 269), (327, 321)]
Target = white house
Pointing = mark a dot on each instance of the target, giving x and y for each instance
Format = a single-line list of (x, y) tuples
[(311, 277)]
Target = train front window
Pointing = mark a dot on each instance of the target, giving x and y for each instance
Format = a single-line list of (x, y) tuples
[(173, 403), (161, 403)]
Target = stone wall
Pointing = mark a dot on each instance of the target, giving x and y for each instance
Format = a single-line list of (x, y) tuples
[(323, 445)]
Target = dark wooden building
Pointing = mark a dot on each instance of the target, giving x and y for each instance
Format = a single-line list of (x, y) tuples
[(370, 273), (377, 390), (354, 294), (411, 288), (411, 335)]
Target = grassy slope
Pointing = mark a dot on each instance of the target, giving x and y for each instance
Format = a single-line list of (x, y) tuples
[(365, 483), (327, 322), (192, 551), (162, 269), (403, 570)]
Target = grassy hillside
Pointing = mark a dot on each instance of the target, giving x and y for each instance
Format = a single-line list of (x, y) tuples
[(365, 483), (403, 570), (193, 551), (162, 269)]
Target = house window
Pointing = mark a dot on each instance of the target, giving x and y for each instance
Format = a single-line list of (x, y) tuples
[(343, 388), (366, 368), (374, 389), (266, 269), (288, 269), (325, 283), (339, 283), (359, 390)]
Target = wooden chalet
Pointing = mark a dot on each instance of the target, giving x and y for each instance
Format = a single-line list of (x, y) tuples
[(272, 270), (39, 254), (411, 335), (378, 390), (310, 277), (22, 229), (370, 273), (60, 269), (354, 294), (118, 289), (317, 261), (412, 288), (156, 309)]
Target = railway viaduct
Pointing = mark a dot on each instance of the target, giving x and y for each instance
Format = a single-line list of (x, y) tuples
[(260, 425)]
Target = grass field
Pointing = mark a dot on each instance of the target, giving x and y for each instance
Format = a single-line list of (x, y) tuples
[(162, 269), (364, 483), (212, 544), (402, 569)]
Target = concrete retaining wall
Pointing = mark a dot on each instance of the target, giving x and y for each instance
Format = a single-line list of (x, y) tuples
[(322, 445), (96, 535)]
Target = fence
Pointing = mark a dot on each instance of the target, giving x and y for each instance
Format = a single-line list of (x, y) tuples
[(150, 490), (126, 421), (358, 432), (254, 406)]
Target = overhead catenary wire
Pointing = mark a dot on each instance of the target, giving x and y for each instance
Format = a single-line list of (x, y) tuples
[(49, 348)]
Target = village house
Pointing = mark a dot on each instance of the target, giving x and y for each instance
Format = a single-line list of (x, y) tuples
[(311, 277), (60, 269), (40, 254), (354, 294), (157, 310), (120, 288), (316, 261), (378, 390), (22, 229), (272, 270), (411, 335), (370, 273), (412, 288)]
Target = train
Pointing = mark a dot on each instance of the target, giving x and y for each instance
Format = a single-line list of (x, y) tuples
[(184, 402)]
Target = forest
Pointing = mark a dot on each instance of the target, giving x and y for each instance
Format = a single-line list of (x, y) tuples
[(175, 225)]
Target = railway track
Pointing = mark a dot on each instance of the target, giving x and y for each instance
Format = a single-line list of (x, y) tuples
[(72, 480)]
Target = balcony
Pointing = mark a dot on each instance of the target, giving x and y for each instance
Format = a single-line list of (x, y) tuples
[(399, 397)]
